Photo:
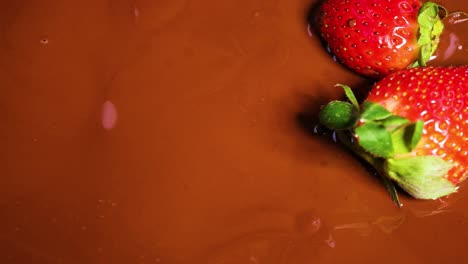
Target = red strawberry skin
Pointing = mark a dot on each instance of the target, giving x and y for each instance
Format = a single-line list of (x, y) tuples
[(372, 37), (439, 97)]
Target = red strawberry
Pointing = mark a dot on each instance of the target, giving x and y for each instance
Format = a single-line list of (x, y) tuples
[(413, 128), (377, 37)]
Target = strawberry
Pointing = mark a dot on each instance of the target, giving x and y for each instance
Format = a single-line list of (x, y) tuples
[(412, 128), (377, 37)]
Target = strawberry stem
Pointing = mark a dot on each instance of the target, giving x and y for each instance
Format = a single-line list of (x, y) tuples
[(376, 163), (339, 115)]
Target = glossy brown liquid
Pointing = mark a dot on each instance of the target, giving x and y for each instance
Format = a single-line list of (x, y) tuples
[(180, 131)]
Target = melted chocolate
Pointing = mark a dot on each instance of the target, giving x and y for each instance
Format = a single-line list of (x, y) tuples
[(179, 131)]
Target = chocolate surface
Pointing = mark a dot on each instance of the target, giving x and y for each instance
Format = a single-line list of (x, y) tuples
[(180, 131)]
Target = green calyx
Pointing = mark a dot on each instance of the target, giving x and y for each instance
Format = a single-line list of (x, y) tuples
[(422, 177), (386, 141), (430, 29)]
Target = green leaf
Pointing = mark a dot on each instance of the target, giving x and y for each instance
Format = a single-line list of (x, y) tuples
[(421, 176), (372, 112), (425, 54), (407, 137), (350, 95), (416, 131), (391, 190), (338, 115), (400, 141), (430, 29), (394, 122), (375, 139)]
